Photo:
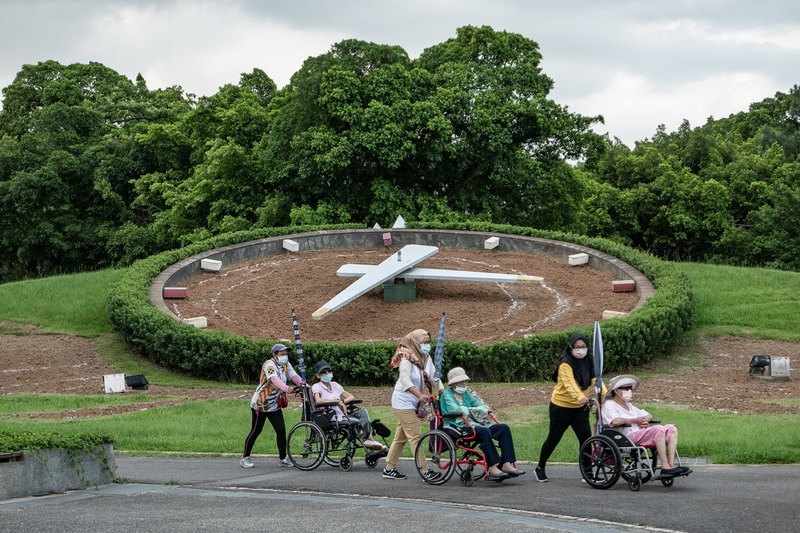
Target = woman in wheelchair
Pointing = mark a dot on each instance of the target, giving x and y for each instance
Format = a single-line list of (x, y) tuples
[(461, 409), (637, 424), (328, 392)]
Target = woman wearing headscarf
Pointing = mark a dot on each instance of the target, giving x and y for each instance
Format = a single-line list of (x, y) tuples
[(569, 403), (413, 387)]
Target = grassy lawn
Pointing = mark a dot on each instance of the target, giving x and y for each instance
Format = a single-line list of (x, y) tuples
[(730, 301)]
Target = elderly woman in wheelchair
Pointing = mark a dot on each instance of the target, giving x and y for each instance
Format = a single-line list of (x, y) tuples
[(467, 421), (626, 436), (333, 427)]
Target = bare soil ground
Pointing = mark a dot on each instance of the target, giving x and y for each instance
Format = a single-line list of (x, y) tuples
[(256, 299)]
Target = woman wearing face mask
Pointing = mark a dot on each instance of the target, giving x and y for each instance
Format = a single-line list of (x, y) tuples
[(275, 372), (619, 411), (458, 400), (413, 387), (569, 403), (327, 391)]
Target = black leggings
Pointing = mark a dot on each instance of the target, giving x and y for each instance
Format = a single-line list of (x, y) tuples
[(257, 424), (562, 418)]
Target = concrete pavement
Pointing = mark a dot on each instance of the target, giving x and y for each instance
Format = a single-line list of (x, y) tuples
[(215, 494)]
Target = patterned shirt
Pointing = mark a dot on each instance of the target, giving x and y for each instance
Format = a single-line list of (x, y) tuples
[(266, 395)]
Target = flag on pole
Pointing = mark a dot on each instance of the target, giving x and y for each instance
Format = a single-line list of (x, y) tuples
[(597, 353), (439, 353), (301, 364)]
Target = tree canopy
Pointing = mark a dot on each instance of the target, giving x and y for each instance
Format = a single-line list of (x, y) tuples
[(99, 170)]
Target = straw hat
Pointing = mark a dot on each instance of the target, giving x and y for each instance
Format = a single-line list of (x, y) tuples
[(621, 381)]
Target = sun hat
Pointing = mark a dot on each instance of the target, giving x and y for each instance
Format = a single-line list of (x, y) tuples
[(621, 381), (321, 365), (279, 347), (456, 375)]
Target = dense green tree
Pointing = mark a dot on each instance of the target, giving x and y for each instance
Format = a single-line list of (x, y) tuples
[(467, 124), (67, 161)]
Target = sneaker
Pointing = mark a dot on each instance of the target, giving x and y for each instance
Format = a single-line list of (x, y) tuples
[(540, 475), (285, 462), (393, 474), (373, 444), (431, 475), (246, 462)]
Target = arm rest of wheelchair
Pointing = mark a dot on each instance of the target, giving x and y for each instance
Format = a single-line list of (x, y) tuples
[(353, 401), (327, 404), (452, 415)]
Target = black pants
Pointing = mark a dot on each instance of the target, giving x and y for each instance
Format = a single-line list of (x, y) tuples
[(562, 418), (257, 424)]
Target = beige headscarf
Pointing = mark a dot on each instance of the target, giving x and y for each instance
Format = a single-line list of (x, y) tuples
[(409, 348)]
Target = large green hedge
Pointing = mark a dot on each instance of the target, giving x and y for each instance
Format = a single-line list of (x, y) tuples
[(634, 339)]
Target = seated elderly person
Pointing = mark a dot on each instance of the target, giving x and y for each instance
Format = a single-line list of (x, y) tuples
[(327, 391), (619, 411), (458, 400)]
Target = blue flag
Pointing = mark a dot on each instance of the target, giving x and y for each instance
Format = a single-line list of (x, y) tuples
[(301, 364), (439, 353)]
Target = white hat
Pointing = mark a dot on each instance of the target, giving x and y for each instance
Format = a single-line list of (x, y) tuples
[(623, 380), (456, 375)]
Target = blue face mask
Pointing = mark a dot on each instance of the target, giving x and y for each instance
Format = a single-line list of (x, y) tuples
[(460, 390), (425, 348), (327, 378), (283, 359)]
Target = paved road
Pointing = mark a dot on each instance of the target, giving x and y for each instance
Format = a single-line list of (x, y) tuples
[(215, 494)]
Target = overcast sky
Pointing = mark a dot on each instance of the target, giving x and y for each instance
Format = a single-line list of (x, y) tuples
[(637, 63)]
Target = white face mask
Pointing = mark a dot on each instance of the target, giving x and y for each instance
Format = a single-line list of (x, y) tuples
[(626, 395), (579, 353), (327, 378), (425, 348), (460, 390), (283, 359)]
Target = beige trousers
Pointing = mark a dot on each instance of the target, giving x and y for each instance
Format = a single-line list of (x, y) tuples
[(407, 431)]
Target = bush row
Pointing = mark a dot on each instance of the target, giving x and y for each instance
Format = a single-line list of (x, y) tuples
[(634, 339)]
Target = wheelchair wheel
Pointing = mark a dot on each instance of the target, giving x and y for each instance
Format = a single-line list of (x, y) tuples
[(345, 463), (603, 465), (371, 461), (306, 446), (635, 482), (440, 456), (467, 479), (339, 446), (475, 462), (633, 467), (667, 482)]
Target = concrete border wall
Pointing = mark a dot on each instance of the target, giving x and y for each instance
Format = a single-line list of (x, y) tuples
[(177, 274), (53, 471)]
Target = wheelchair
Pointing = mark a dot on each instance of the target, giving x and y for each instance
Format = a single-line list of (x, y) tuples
[(609, 455), (319, 437), (451, 450)]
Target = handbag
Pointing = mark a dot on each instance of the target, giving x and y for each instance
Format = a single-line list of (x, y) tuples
[(422, 411), (282, 401)]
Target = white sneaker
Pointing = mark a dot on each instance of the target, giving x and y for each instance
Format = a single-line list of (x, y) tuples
[(246, 462), (285, 462), (373, 444)]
